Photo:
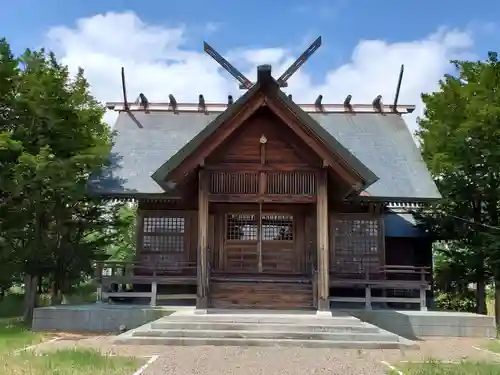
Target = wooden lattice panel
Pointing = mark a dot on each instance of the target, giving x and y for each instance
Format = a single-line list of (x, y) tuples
[(241, 227), (234, 183), (291, 183), (277, 228), (163, 240), (356, 245)]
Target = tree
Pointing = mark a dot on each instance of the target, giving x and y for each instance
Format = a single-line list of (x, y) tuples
[(459, 137), (124, 233), (52, 137), (10, 149)]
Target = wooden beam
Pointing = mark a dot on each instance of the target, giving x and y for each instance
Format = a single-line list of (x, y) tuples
[(250, 167), (139, 232), (255, 198), (202, 258), (322, 242), (213, 141), (333, 161)]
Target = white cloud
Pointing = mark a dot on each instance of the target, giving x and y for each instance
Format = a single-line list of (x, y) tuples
[(157, 63)]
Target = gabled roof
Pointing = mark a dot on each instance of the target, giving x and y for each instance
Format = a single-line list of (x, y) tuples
[(378, 147), (271, 92), (382, 142)]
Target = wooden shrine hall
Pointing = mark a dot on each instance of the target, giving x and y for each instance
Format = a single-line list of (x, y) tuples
[(266, 203)]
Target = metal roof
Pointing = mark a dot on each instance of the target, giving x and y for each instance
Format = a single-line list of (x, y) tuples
[(382, 142), (139, 150)]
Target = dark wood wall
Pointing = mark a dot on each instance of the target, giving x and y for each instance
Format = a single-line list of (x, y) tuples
[(283, 148), (169, 236)]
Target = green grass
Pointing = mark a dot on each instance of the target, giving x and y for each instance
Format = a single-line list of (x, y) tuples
[(68, 362), (441, 368), (492, 345), (14, 335)]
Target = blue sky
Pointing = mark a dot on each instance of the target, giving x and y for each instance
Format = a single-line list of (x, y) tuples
[(266, 23), (398, 32)]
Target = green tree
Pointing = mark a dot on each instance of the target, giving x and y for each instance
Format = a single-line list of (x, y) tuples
[(123, 232), (10, 150), (459, 137), (54, 137)]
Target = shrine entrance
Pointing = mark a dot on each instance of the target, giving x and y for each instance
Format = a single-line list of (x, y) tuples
[(262, 260)]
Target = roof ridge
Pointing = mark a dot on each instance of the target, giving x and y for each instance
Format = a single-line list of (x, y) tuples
[(221, 107)]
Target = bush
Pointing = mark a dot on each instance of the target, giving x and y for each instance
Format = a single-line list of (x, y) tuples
[(465, 302)]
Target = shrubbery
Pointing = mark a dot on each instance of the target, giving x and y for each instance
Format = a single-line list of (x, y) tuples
[(465, 302)]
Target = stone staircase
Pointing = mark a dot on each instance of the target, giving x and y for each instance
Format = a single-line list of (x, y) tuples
[(263, 329)]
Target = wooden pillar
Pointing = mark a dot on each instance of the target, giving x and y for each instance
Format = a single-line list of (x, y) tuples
[(202, 255), (139, 232), (322, 243)]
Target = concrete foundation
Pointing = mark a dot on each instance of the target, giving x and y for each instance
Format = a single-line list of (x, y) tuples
[(115, 318), (417, 324), (95, 317)]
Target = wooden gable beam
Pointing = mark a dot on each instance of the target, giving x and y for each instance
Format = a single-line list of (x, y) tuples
[(210, 144), (329, 159)]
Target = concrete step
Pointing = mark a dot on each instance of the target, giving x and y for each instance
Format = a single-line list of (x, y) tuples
[(266, 335), (192, 341), (267, 327), (265, 319)]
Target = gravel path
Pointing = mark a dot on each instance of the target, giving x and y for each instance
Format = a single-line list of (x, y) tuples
[(209, 360)]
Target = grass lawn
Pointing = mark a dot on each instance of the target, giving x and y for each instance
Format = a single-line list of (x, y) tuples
[(442, 368), (68, 362), (492, 345), (14, 336)]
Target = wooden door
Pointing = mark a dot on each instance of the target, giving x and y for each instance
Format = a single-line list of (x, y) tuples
[(240, 243), (278, 251), (261, 243)]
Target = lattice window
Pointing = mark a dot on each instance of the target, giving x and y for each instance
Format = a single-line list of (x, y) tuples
[(277, 228), (164, 235), (164, 224), (241, 227), (356, 246)]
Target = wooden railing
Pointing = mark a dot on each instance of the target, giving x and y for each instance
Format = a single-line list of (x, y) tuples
[(386, 278), (114, 279)]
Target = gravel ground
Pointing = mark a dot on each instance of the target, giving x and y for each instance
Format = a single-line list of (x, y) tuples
[(208, 360)]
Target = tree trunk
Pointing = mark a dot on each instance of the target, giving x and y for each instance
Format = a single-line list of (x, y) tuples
[(55, 294), (30, 295), (481, 298)]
